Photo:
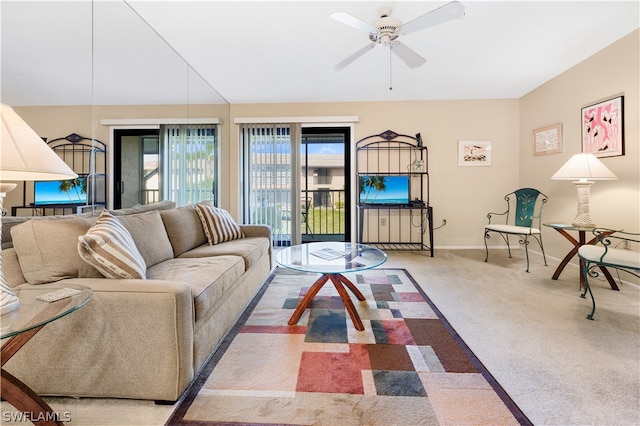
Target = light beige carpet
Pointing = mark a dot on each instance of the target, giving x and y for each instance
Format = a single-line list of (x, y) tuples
[(528, 330)]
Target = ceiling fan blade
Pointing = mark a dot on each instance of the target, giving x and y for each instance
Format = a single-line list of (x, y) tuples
[(448, 12), (354, 22), (408, 55), (353, 57)]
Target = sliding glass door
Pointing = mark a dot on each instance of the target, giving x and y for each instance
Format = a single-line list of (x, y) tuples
[(324, 184), (177, 163), (297, 181), (190, 155)]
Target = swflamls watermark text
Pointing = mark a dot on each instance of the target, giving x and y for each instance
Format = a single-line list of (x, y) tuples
[(28, 416)]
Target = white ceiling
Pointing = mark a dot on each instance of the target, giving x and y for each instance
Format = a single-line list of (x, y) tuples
[(134, 52)]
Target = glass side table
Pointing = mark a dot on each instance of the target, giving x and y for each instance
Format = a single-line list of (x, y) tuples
[(331, 259), (562, 229), (19, 327)]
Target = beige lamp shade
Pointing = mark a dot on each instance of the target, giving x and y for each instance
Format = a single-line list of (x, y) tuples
[(24, 155), (583, 169)]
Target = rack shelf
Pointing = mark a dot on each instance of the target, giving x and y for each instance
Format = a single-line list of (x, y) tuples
[(87, 157), (394, 221)]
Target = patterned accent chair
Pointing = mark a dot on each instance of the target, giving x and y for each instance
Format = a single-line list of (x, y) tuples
[(522, 217), (607, 253)]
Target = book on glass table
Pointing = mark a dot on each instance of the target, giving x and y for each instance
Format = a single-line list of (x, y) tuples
[(328, 253)]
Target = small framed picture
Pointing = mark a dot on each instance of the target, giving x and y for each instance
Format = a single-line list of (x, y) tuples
[(547, 140), (603, 128), (474, 153)]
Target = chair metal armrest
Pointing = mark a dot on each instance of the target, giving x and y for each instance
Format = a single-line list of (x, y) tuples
[(607, 236), (611, 240), (490, 214)]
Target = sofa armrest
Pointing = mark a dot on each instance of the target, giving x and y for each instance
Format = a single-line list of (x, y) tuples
[(11, 267), (134, 339), (256, 231)]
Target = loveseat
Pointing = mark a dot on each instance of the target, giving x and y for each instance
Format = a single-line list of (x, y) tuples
[(137, 338)]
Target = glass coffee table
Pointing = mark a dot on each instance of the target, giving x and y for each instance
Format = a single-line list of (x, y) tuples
[(331, 259), (19, 326)]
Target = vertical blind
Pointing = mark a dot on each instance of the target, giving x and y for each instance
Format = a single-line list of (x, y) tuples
[(269, 158), (191, 163)]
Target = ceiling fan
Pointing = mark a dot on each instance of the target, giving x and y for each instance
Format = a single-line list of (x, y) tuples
[(387, 30)]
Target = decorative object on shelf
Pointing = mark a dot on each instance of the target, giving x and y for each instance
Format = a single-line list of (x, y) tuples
[(583, 169), (603, 128), (547, 140), (25, 156), (474, 153)]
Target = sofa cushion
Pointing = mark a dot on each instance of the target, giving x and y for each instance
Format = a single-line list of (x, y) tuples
[(142, 208), (184, 228), (218, 224), (109, 247), (150, 236), (209, 278), (251, 249), (47, 249)]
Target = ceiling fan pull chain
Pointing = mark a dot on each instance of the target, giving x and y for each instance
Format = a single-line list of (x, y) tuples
[(390, 74)]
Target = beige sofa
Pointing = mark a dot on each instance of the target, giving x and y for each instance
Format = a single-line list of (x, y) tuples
[(142, 339)]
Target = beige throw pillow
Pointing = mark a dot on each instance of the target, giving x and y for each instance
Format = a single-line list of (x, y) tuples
[(184, 228), (109, 248), (218, 224)]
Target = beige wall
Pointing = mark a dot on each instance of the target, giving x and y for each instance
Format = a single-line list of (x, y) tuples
[(611, 72), (461, 195)]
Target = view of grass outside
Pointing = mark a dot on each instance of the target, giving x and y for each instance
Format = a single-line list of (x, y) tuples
[(325, 221)]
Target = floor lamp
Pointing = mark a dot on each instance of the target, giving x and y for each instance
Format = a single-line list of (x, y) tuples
[(583, 169), (23, 156)]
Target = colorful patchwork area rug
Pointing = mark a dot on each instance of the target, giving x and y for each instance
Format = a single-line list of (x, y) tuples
[(408, 367)]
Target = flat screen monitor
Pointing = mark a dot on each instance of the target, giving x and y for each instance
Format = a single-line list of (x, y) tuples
[(53, 192), (384, 189)]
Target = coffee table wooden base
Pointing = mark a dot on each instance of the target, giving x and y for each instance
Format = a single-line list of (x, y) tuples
[(25, 400), (16, 392), (338, 280)]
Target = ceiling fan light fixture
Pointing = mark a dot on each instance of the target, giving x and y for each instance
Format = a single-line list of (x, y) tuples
[(387, 29)]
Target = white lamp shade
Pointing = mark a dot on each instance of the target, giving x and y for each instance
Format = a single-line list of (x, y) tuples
[(24, 155), (584, 167)]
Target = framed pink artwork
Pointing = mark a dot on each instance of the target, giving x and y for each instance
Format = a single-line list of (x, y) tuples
[(474, 153), (603, 128)]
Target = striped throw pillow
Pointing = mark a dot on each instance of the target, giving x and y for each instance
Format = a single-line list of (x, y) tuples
[(109, 248), (218, 224)]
